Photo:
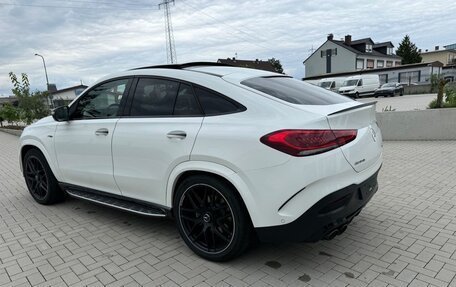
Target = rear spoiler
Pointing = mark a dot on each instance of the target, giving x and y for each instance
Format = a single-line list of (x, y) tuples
[(354, 108)]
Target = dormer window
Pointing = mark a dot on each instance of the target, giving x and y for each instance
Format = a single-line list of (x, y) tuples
[(368, 48), (389, 51)]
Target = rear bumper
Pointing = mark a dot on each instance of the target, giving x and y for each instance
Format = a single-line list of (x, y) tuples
[(326, 218)]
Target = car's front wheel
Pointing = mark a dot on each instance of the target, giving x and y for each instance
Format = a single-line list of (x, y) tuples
[(211, 218), (40, 180)]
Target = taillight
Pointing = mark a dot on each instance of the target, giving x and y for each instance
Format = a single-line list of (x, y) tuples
[(307, 142)]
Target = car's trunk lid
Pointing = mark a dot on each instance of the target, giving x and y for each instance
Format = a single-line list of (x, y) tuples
[(366, 149)]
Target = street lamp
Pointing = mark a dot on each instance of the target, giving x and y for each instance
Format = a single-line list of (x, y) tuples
[(47, 80), (45, 70)]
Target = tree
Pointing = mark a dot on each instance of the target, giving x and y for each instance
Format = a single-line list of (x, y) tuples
[(408, 51), (31, 105), (277, 66)]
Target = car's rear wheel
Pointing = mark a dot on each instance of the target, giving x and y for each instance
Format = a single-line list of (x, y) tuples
[(40, 180), (211, 218)]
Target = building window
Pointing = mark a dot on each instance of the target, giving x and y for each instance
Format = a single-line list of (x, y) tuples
[(328, 52), (368, 48), (380, 63), (383, 78), (359, 64), (389, 64), (397, 63), (389, 51), (409, 77), (370, 64)]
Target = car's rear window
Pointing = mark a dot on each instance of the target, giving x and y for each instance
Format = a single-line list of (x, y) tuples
[(294, 91)]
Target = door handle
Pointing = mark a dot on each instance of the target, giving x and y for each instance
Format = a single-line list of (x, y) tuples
[(102, 132), (177, 135)]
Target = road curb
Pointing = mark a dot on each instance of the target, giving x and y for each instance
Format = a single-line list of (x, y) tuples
[(11, 132)]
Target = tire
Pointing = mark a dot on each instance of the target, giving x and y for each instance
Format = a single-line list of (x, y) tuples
[(356, 95), (211, 218), (376, 96), (41, 182)]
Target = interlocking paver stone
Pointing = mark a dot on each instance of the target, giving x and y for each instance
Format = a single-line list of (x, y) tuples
[(406, 236)]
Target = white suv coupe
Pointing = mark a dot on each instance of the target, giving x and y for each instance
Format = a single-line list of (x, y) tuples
[(231, 153)]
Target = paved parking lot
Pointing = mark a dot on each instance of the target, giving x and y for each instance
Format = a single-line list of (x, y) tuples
[(404, 103), (404, 237)]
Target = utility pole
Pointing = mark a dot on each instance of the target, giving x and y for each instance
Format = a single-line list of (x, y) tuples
[(49, 100), (170, 47)]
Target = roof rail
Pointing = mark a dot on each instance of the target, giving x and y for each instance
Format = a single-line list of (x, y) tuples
[(183, 66)]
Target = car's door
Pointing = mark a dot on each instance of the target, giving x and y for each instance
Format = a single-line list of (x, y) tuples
[(158, 134), (83, 144), (361, 87)]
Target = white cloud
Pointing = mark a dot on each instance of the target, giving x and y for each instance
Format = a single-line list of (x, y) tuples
[(102, 36)]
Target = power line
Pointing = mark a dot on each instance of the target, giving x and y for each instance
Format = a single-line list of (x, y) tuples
[(223, 22), (100, 2), (71, 7)]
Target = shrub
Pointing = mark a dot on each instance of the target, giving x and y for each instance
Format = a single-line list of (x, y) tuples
[(450, 94), (10, 114)]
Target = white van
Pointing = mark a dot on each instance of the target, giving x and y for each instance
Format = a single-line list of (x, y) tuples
[(361, 85), (332, 84)]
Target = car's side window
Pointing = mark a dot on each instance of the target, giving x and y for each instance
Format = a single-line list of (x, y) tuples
[(186, 103), (101, 102), (215, 104), (154, 97)]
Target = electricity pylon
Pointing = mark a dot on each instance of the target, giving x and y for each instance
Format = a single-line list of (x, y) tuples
[(170, 47)]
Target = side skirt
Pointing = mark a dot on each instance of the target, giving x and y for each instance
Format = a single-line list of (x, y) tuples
[(116, 201)]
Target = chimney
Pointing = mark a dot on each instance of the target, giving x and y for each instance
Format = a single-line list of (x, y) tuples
[(330, 37), (436, 48), (348, 39)]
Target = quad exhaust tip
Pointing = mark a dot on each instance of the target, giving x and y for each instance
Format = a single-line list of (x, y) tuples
[(337, 231)]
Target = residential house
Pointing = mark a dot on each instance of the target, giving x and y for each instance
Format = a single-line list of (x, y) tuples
[(447, 56), (347, 55), (257, 64), (419, 73), (65, 96)]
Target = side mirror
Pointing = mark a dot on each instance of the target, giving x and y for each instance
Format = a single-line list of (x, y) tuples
[(61, 114)]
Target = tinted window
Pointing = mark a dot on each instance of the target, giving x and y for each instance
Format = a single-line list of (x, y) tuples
[(186, 104), (154, 97), (101, 102), (294, 91), (214, 104)]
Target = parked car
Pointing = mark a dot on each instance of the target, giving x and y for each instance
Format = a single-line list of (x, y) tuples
[(332, 84), (230, 153), (362, 85), (389, 89)]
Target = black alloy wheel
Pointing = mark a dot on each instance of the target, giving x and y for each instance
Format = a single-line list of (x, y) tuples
[(207, 218), (212, 218), (41, 182), (36, 178)]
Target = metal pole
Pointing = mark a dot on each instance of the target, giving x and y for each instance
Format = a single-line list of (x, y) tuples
[(45, 71), (47, 80)]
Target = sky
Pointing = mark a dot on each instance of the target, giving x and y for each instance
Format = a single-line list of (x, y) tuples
[(83, 40)]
